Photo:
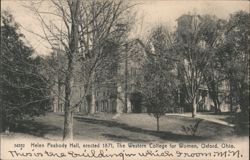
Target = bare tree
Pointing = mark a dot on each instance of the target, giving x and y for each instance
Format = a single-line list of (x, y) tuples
[(104, 30), (63, 34), (81, 30)]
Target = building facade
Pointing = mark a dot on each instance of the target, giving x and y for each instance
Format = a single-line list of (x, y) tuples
[(117, 90)]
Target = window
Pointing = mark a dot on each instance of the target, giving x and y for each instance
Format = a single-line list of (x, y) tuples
[(102, 106), (133, 71), (106, 106), (97, 106)]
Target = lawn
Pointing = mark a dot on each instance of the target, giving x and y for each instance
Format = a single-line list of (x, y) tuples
[(126, 127)]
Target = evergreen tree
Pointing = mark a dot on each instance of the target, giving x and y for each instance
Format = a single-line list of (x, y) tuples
[(23, 89), (233, 56)]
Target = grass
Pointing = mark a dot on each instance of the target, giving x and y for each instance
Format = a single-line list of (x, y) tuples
[(127, 127)]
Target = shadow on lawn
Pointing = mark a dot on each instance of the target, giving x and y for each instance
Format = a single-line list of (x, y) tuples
[(160, 134), (229, 120), (35, 128)]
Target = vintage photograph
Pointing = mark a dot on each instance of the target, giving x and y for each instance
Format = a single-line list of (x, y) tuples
[(136, 71)]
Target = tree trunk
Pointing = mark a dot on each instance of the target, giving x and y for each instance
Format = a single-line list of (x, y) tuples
[(194, 107), (68, 114), (215, 106), (129, 105), (126, 81), (73, 47), (119, 99), (59, 96), (230, 96), (158, 123), (92, 105), (68, 125), (213, 91), (218, 105)]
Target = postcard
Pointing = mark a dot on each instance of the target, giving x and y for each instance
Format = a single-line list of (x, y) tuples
[(124, 80)]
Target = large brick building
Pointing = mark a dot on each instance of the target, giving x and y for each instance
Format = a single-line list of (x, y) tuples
[(116, 89), (113, 86), (113, 93)]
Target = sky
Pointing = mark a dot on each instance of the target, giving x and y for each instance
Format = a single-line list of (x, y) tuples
[(149, 14)]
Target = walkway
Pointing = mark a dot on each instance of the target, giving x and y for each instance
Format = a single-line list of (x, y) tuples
[(212, 118)]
